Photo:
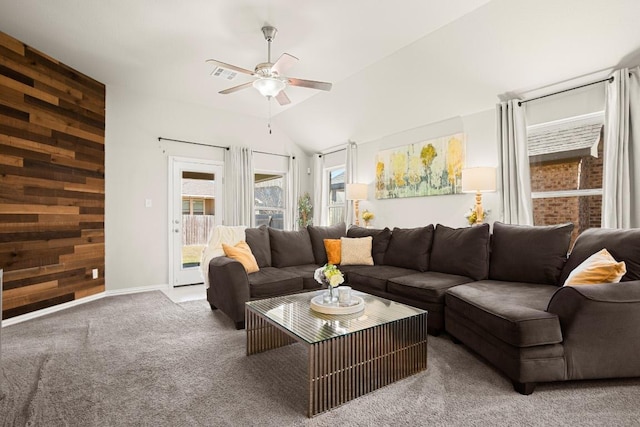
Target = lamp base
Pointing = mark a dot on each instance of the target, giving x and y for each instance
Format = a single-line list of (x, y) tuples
[(479, 209), (356, 208)]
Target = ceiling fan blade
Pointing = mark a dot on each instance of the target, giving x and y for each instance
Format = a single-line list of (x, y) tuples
[(310, 84), (282, 98), (283, 63), (231, 67), (236, 88)]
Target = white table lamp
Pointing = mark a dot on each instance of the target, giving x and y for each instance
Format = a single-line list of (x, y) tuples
[(479, 180), (356, 192)]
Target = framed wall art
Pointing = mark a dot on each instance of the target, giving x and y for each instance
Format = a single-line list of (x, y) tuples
[(428, 168)]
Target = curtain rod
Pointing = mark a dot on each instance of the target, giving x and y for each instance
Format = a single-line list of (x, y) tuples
[(191, 142), (610, 80), (160, 138), (273, 154), (331, 152)]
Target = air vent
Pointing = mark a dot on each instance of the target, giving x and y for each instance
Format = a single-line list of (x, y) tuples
[(224, 73)]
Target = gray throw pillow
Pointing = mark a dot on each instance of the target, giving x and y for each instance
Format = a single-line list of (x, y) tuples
[(623, 245), (318, 233), (410, 248), (531, 254), (461, 251), (289, 248), (380, 243), (258, 241)]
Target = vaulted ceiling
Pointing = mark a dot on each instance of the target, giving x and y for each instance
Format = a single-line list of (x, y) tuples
[(394, 65)]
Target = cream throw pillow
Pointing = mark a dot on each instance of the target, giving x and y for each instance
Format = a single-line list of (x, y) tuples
[(600, 267), (356, 251), (242, 252)]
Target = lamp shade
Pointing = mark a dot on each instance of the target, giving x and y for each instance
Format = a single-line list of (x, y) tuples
[(356, 191), (269, 86), (481, 180)]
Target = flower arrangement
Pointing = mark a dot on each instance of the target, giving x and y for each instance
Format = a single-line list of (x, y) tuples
[(331, 276), (472, 215), (367, 216)]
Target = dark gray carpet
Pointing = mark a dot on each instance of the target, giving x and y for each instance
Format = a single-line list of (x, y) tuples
[(142, 360)]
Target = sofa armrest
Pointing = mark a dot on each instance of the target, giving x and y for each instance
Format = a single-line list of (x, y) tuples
[(228, 287), (600, 331)]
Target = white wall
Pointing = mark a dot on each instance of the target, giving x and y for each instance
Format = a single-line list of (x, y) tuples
[(569, 104), (481, 150), (137, 169)]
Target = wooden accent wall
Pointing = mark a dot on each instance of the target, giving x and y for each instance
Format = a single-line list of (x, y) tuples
[(52, 121)]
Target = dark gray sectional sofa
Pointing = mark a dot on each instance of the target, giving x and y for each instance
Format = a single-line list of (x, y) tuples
[(500, 294)]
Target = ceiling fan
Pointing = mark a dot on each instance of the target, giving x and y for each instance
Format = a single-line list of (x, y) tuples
[(270, 80)]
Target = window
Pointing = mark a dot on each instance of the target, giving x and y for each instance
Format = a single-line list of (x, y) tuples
[(335, 192), (269, 200), (566, 172), (191, 206)]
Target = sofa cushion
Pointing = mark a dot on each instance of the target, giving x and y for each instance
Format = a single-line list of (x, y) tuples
[(306, 272), (258, 241), (375, 277), (271, 281), (347, 269), (531, 254), (356, 251), (461, 251), (410, 248), (380, 240), (599, 268), (623, 245), (428, 286), (319, 233), (290, 248), (514, 312)]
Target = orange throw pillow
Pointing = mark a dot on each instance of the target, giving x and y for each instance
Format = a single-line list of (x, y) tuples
[(600, 267), (242, 252), (334, 250)]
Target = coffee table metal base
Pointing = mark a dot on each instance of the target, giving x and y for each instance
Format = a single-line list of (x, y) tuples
[(345, 367)]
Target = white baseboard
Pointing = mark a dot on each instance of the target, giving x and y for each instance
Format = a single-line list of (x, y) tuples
[(74, 303)]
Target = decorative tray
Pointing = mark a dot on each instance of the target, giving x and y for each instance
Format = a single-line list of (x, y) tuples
[(318, 304)]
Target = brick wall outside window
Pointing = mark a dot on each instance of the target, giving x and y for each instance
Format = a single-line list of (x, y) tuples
[(579, 173)]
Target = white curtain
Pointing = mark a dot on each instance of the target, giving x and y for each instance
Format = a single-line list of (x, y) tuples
[(318, 170), (516, 205), (293, 193), (238, 186), (621, 170), (350, 176)]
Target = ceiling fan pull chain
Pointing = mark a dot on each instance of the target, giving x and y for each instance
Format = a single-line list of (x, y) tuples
[(269, 125)]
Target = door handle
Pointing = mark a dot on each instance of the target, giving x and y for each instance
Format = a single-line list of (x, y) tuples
[(176, 230)]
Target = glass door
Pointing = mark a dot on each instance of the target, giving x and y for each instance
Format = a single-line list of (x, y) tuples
[(195, 207)]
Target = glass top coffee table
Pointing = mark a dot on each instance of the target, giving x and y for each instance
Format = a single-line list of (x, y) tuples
[(349, 355)]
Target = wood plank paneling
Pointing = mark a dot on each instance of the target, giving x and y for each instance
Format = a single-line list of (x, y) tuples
[(52, 124)]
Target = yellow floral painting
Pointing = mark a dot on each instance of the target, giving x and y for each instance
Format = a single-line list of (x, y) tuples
[(428, 168)]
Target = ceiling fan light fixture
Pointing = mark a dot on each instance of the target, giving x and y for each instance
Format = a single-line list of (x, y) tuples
[(269, 86)]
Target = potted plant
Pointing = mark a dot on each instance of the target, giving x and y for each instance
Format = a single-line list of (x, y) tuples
[(305, 211)]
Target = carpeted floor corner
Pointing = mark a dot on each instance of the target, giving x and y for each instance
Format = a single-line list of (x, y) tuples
[(142, 360)]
